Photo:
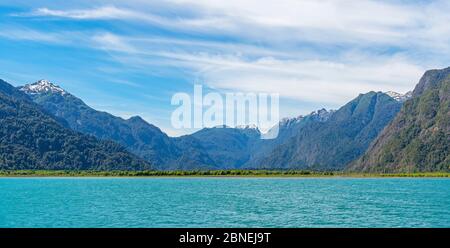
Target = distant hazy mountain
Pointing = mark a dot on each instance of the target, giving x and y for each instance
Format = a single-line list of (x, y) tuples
[(228, 148), (31, 138), (138, 136), (242, 147), (418, 139), (192, 156), (341, 138), (287, 129)]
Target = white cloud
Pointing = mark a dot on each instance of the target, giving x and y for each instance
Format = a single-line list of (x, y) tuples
[(315, 80), (327, 21), (112, 42), (323, 81), (323, 51)]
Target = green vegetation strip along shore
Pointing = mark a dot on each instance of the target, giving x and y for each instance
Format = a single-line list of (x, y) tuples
[(208, 173)]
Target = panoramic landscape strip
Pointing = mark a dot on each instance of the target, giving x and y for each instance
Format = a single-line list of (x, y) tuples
[(225, 114), (44, 127), (211, 173)]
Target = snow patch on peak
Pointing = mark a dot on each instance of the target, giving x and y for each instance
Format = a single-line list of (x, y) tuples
[(399, 97), (321, 114), (42, 86), (291, 121), (250, 126)]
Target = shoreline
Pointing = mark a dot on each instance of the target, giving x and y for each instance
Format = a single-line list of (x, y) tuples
[(214, 174)]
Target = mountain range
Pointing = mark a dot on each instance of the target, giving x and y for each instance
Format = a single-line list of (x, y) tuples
[(139, 137), (31, 138), (333, 143), (376, 131)]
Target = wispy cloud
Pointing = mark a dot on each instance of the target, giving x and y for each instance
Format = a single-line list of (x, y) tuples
[(102, 13), (106, 12), (325, 81), (112, 42), (27, 34), (322, 52), (349, 21)]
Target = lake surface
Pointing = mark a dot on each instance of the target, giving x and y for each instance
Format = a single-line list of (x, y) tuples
[(224, 202)]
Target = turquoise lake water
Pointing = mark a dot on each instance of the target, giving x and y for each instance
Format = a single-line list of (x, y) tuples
[(224, 202)]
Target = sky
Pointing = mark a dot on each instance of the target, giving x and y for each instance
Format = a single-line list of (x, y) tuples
[(130, 57)]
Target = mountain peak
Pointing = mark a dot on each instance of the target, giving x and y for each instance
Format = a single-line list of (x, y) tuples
[(431, 79), (249, 126), (42, 86), (136, 119), (321, 114), (287, 121), (399, 97)]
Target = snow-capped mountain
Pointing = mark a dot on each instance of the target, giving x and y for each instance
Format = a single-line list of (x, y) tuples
[(399, 97), (139, 137), (42, 86), (31, 137)]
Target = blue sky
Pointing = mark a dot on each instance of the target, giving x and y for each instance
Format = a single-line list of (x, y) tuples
[(130, 57)]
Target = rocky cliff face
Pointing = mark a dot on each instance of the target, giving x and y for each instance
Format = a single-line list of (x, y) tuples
[(418, 139)]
